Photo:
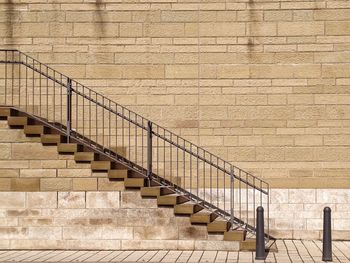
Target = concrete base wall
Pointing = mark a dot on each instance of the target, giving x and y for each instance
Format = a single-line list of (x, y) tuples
[(97, 220), (298, 213)]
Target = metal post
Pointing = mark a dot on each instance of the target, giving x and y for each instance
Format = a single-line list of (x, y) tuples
[(260, 240), (327, 235), (69, 108), (149, 152)]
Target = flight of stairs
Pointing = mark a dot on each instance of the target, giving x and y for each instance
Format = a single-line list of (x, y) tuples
[(166, 196)]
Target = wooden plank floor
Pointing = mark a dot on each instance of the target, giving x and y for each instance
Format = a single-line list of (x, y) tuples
[(289, 251)]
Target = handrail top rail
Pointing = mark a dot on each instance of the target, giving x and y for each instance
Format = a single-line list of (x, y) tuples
[(225, 163)]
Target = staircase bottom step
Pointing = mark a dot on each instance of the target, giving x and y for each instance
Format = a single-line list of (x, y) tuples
[(248, 245)]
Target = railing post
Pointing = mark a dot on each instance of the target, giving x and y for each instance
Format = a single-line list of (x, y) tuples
[(69, 108), (327, 235), (232, 195), (149, 152), (260, 239)]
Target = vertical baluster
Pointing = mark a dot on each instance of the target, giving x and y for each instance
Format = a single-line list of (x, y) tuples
[(54, 96), (204, 190), (96, 116), (170, 159), (13, 76), (69, 108), (149, 152), (240, 193), (6, 77), (19, 80), (116, 128), (103, 123), (232, 179), (123, 145), (129, 157), (135, 139), (47, 93), (40, 90), (109, 130), (26, 107)]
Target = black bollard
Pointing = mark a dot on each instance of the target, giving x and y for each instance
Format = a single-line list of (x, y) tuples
[(327, 235), (260, 234)]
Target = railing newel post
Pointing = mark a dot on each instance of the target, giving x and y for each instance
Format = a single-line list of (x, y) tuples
[(149, 152)]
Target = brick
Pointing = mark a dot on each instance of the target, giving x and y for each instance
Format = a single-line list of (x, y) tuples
[(95, 29), (31, 30), (104, 71), (262, 29), (102, 200), (5, 151), (164, 30), (181, 71), (130, 29), (337, 28), (42, 200), (11, 200), (233, 71), (61, 29), (37, 173), (143, 72), (300, 28), (280, 15), (71, 200), (329, 14), (55, 184), (84, 184), (33, 151), (25, 185), (221, 29)]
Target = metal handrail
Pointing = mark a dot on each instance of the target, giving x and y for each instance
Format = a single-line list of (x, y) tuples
[(169, 140)]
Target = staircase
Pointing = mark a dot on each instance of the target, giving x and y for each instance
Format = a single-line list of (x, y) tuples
[(146, 157)]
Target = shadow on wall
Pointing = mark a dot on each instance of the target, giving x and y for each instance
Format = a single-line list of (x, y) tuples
[(99, 26), (9, 22)]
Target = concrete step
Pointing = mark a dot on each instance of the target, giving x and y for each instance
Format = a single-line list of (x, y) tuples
[(100, 165), (17, 121), (134, 182), (188, 208), (5, 112), (248, 245), (235, 235), (84, 156), (34, 129), (155, 191), (218, 226), (203, 217), (118, 174), (172, 199), (67, 147), (50, 138)]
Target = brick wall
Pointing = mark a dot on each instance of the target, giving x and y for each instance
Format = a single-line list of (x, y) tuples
[(264, 84)]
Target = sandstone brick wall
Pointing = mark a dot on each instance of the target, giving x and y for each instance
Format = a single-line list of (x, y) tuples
[(264, 84)]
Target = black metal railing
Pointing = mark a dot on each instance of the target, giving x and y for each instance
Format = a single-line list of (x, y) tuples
[(157, 153)]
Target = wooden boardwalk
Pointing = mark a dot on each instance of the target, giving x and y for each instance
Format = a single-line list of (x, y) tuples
[(288, 251)]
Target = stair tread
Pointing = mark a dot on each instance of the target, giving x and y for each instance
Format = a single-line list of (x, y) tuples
[(67, 147), (234, 235), (34, 129), (134, 182), (101, 165), (17, 120)]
